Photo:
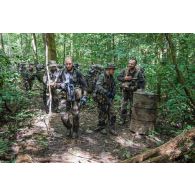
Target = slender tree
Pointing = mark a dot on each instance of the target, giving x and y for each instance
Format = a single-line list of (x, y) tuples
[(34, 47)]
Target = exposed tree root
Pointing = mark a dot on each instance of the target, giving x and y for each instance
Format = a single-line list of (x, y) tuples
[(172, 151)]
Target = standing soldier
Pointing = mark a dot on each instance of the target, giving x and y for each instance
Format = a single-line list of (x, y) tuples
[(53, 74), (104, 96), (29, 77), (73, 86), (40, 72), (131, 78)]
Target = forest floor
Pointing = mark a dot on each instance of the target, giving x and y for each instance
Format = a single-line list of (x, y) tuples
[(37, 143)]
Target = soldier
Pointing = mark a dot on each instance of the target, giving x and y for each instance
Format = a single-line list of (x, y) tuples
[(104, 96), (73, 86), (53, 74), (131, 78), (29, 77), (40, 72)]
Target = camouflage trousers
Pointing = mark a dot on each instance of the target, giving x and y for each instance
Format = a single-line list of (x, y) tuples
[(28, 84), (106, 113), (127, 99), (70, 114)]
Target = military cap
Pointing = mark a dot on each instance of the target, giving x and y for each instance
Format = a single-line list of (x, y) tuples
[(110, 66), (52, 63)]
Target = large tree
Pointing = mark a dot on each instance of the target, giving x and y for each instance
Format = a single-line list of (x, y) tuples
[(49, 39)]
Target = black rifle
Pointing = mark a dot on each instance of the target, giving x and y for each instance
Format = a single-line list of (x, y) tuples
[(70, 91)]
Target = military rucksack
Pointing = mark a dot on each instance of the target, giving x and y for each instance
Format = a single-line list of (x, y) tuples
[(92, 76)]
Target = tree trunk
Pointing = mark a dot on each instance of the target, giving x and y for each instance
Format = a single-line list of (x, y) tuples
[(64, 52), (50, 40), (180, 76), (2, 42), (34, 47), (177, 149), (113, 49), (21, 45), (71, 44)]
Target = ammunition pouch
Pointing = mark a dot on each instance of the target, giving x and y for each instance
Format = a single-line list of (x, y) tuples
[(129, 86)]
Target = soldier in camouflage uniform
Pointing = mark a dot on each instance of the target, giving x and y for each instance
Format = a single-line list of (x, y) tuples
[(40, 70), (29, 77), (131, 78), (53, 74), (104, 96), (73, 86)]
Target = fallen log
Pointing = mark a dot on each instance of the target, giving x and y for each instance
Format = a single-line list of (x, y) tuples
[(173, 151)]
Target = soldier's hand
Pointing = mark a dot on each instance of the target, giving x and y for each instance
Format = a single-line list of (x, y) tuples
[(52, 85), (128, 78), (83, 100)]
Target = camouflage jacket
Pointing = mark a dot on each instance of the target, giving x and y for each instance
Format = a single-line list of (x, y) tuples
[(138, 81), (29, 75), (53, 77), (105, 84), (75, 78)]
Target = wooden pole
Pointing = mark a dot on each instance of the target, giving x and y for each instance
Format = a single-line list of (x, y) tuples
[(49, 87)]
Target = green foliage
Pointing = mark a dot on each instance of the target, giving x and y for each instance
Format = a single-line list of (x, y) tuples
[(4, 147), (151, 50)]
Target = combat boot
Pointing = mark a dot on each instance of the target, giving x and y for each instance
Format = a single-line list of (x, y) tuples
[(98, 129), (112, 131), (75, 134), (122, 122), (104, 131), (69, 132)]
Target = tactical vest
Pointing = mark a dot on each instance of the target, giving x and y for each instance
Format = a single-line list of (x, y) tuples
[(74, 78), (108, 84), (132, 85)]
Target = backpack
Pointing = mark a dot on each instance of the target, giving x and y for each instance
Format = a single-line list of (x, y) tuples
[(92, 76)]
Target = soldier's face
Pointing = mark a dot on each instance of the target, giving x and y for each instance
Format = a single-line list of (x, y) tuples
[(69, 65), (30, 67), (131, 64), (111, 71)]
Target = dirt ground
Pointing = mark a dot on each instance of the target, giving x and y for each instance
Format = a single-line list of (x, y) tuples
[(37, 143)]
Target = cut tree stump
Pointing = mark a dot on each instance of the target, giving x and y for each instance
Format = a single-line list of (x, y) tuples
[(144, 111), (175, 149)]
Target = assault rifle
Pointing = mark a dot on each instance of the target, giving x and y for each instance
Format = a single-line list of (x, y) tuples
[(70, 91)]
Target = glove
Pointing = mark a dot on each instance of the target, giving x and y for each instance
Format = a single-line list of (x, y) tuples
[(83, 100)]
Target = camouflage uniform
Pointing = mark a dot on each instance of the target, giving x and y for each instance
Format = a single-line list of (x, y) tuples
[(73, 87), (40, 72), (128, 87), (29, 77), (53, 75), (104, 96)]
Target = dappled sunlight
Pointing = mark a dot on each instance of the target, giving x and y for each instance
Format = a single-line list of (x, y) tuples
[(127, 142), (90, 140)]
